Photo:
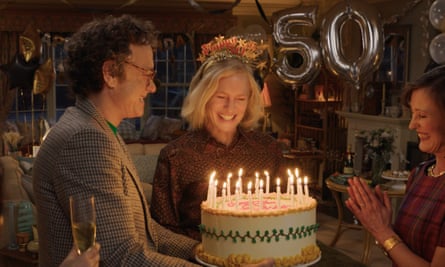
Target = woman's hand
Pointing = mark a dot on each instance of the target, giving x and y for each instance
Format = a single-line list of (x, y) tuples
[(372, 209), (89, 258)]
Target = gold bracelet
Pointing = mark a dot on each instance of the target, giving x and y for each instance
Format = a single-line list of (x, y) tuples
[(389, 244)]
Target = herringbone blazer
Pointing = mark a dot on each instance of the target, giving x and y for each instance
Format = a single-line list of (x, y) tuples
[(82, 155)]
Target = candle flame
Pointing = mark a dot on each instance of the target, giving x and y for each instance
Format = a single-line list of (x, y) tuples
[(305, 180), (299, 180), (224, 185), (266, 173), (240, 172), (212, 175), (278, 181), (257, 175), (229, 175), (249, 185), (297, 172)]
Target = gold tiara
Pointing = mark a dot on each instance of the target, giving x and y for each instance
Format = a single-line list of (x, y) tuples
[(221, 48)]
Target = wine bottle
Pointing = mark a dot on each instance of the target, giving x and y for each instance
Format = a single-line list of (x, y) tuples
[(348, 163)]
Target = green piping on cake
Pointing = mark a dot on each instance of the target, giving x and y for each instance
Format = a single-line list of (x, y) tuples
[(299, 232)]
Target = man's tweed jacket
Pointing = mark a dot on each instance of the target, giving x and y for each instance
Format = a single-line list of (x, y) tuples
[(82, 155)]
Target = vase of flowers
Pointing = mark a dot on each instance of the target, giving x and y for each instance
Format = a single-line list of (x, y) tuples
[(378, 146)]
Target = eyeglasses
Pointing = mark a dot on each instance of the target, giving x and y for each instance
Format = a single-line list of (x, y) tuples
[(149, 73)]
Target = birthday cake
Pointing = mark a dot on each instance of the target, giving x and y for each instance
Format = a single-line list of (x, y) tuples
[(250, 229)]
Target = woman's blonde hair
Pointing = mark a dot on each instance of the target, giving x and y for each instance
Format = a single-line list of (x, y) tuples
[(204, 85)]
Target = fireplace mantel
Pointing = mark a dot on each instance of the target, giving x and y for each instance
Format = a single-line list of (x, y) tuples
[(358, 122)]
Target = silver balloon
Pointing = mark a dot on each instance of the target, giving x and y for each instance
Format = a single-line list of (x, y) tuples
[(437, 49), (436, 15), (298, 59), (298, 63), (369, 23)]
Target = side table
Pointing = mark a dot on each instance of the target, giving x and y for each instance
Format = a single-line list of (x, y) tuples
[(336, 190), (16, 258)]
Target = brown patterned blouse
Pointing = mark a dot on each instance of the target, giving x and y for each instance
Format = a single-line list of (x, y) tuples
[(184, 167)]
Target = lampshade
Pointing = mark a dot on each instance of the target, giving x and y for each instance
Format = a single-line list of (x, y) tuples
[(266, 96)]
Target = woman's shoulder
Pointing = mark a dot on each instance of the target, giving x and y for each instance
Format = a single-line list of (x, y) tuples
[(186, 140)]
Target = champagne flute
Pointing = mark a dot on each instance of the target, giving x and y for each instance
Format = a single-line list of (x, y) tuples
[(83, 221)]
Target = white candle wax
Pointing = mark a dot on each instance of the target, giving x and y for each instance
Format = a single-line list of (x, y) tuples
[(267, 181), (249, 194), (292, 191), (229, 176), (288, 181), (210, 188), (299, 188), (224, 193), (261, 194), (257, 185), (237, 194), (215, 190), (278, 193), (306, 187), (240, 174)]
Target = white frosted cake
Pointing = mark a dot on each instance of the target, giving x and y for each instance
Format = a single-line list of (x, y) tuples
[(251, 229)]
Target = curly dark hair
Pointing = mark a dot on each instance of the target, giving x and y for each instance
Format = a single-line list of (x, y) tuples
[(101, 40), (433, 81)]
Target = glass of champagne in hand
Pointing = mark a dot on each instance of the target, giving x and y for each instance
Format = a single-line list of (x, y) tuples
[(83, 221)]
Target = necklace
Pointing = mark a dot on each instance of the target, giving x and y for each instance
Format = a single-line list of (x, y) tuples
[(431, 171)]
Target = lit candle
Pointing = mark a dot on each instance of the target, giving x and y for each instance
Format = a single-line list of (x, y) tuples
[(210, 188), (261, 194), (237, 194), (224, 192), (240, 174), (292, 191), (249, 194), (257, 184), (214, 194), (267, 181), (299, 188), (228, 186), (297, 173), (288, 181), (278, 193), (306, 189)]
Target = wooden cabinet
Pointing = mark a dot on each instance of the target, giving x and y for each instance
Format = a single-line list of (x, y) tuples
[(317, 124)]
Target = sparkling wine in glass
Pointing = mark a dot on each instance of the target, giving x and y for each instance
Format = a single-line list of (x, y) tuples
[(83, 221)]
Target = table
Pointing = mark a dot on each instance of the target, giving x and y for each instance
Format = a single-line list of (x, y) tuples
[(336, 190), (13, 258)]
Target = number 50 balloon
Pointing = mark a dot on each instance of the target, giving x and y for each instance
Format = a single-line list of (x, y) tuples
[(298, 59), (368, 20)]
